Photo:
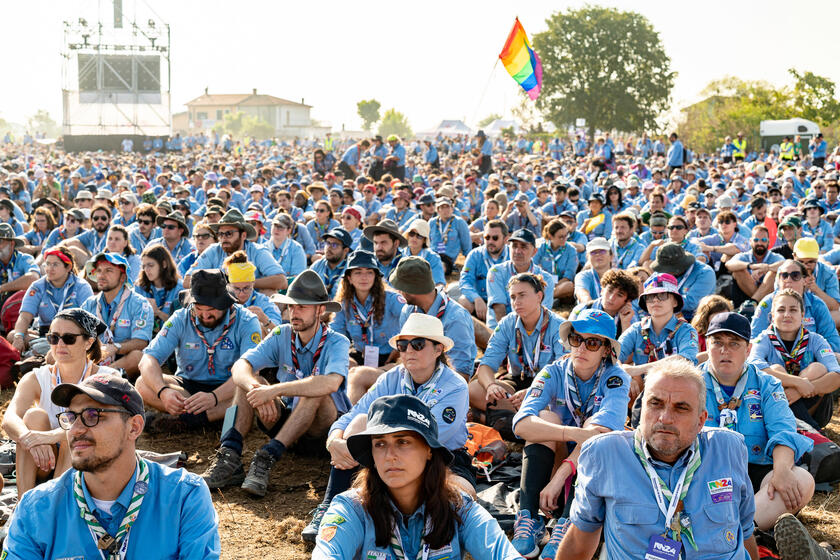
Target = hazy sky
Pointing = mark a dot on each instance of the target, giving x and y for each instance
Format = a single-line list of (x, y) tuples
[(431, 60)]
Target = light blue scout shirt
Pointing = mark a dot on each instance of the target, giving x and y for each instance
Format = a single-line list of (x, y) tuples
[(166, 300), (402, 218), (450, 238), (302, 236), (622, 500), (588, 279), (275, 351), (354, 535), (290, 256), (445, 392), (473, 279), (135, 320), (331, 276), (434, 261), (578, 237), (503, 344), (55, 237), (604, 229), (553, 209), (457, 325), (678, 337), (214, 257), (629, 255), (562, 263), (763, 354), (92, 241), (716, 240), (826, 279), (47, 523), (316, 231), (823, 233), (497, 290), (352, 156), (817, 318), (44, 301), (688, 245), (183, 248), (262, 301), (763, 417), (749, 257), (516, 221), (178, 335), (19, 265), (696, 283), (349, 322), (602, 399), (675, 154), (138, 241), (36, 238)]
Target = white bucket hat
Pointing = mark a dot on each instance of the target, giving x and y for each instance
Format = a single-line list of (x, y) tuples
[(420, 325)]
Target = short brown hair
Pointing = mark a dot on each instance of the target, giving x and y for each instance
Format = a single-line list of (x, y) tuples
[(621, 280)]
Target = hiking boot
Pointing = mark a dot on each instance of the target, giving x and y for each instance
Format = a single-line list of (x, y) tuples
[(557, 534), (225, 470), (256, 482), (162, 423), (527, 534), (310, 532), (794, 543)]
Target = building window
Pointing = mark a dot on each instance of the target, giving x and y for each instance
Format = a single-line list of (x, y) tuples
[(287, 118), (201, 115), (218, 114)]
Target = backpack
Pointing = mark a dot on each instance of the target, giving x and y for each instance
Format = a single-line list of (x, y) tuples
[(823, 462), (486, 447), (10, 310)]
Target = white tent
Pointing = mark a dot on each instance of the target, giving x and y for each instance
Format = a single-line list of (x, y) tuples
[(495, 128), (448, 128)]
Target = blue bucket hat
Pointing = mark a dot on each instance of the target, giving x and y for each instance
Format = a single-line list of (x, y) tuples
[(362, 259), (591, 321)]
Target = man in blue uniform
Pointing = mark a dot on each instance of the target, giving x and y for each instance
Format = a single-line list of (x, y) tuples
[(695, 280), (473, 279), (680, 487), (450, 235), (387, 241), (111, 503), (92, 241), (127, 314), (17, 270), (331, 268), (304, 396), (207, 337)]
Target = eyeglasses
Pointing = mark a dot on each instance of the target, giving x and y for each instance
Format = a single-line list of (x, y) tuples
[(125, 202), (760, 240), (598, 252), (657, 232), (416, 343), (727, 221), (68, 338), (321, 210), (100, 218), (491, 237), (144, 222), (677, 227), (591, 344), (807, 262), (90, 416), (413, 234), (334, 244), (244, 290), (229, 233), (661, 296), (170, 226), (72, 220), (346, 216), (796, 275), (202, 236)]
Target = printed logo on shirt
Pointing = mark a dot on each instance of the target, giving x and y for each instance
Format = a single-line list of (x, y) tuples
[(375, 555), (168, 324), (333, 518), (779, 396), (614, 382), (755, 412), (720, 490), (545, 375), (729, 536), (752, 394), (598, 400), (124, 323), (256, 338), (448, 415), (825, 351), (227, 344), (140, 323), (327, 533), (31, 293), (189, 368), (536, 391), (191, 345)]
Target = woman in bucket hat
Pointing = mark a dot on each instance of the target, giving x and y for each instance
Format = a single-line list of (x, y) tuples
[(404, 503), (424, 372), (578, 396)]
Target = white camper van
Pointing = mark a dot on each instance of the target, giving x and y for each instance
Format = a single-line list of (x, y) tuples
[(774, 132)]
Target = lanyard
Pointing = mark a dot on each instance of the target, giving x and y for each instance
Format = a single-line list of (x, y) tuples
[(685, 276), (580, 411), (113, 548), (662, 493), (99, 243), (556, 256), (117, 312), (728, 408), (211, 349), (444, 235), (56, 375), (527, 366), (397, 548), (315, 357), (624, 251), (488, 260)]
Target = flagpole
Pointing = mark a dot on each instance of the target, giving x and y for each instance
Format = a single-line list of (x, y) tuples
[(486, 86)]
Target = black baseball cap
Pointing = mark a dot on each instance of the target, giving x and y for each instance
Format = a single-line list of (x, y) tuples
[(396, 413), (340, 234), (525, 236), (730, 322), (103, 388)]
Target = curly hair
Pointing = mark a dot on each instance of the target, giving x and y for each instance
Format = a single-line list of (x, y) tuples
[(621, 280), (708, 307)]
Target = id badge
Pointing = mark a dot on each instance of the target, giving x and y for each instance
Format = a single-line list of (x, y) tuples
[(663, 548), (441, 247), (371, 356)]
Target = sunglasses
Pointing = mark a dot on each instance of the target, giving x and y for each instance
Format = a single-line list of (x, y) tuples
[(657, 232), (100, 218), (169, 226), (760, 240), (68, 338), (661, 296), (727, 221), (202, 236), (416, 343), (677, 227), (591, 344), (491, 237), (144, 222), (334, 244), (796, 275), (228, 233), (72, 221), (321, 211)]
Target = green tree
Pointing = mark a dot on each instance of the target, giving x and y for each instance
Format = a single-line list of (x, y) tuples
[(394, 122), (488, 119), (41, 121), (813, 97), (603, 65), (241, 124), (369, 111)]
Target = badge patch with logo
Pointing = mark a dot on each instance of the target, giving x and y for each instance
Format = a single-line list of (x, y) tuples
[(614, 382), (535, 392), (755, 412), (448, 415), (124, 323), (729, 536), (227, 344), (721, 490), (191, 345), (598, 400), (327, 533), (375, 555), (779, 396), (333, 518), (140, 323), (256, 338), (752, 394)]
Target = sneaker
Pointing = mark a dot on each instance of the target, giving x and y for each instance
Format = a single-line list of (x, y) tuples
[(225, 470), (557, 534), (310, 532), (256, 482), (527, 534), (794, 543)]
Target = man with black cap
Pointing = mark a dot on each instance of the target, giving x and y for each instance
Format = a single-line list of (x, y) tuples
[(387, 240), (523, 247), (17, 270), (111, 503), (304, 396), (337, 243), (236, 234), (175, 235), (128, 314), (207, 337), (695, 280)]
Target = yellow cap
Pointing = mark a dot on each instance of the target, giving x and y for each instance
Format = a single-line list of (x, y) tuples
[(242, 272), (806, 248)]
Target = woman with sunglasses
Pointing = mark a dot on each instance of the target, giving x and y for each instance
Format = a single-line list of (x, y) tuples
[(417, 236), (60, 288), (725, 243), (581, 395), (527, 339), (159, 282), (31, 419), (73, 225), (424, 373), (203, 237), (491, 212), (802, 360), (242, 276), (322, 223), (117, 242), (677, 233), (816, 316), (405, 502), (43, 223)]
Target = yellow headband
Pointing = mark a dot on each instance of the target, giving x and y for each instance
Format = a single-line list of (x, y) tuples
[(242, 272)]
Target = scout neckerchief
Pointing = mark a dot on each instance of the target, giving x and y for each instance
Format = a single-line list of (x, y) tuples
[(321, 230), (624, 251), (728, 417), (112, 322), (398, 216), (211, 348), (365, 323), (293, 348), (331, 275), (425, 391), (671, 503), (397, 549), (444, 299), (793, 359), (581, 410), (6, 269), (67, 295), (528, 367), (556, 256), (444, 234), (113, 547), (666, 346)]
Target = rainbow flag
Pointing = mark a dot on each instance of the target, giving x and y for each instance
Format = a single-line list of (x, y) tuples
[(521, 62)]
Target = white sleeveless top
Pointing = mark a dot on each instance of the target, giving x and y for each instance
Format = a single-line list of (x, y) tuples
[(44, 376)]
